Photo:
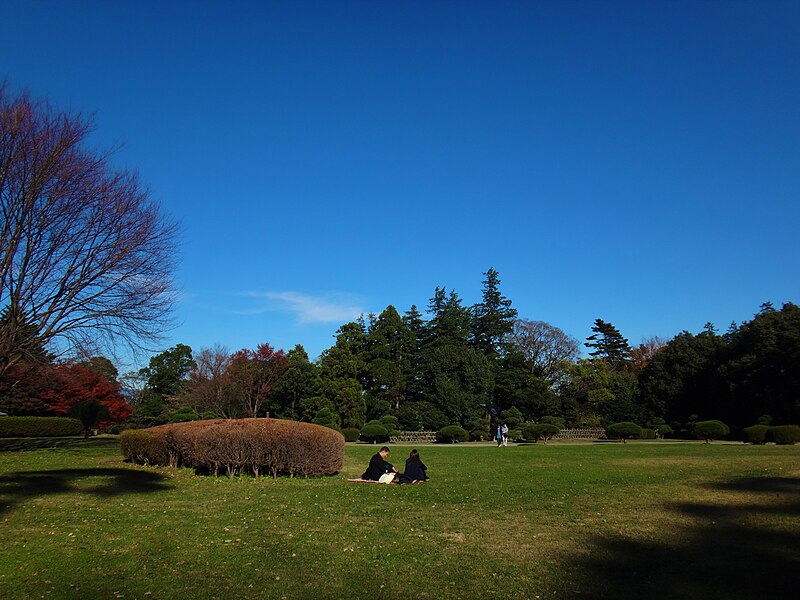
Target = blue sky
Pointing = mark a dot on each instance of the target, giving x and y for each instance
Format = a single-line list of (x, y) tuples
[(633, 161)]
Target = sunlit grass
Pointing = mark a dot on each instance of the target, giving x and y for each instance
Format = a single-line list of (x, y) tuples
[(519, 522)]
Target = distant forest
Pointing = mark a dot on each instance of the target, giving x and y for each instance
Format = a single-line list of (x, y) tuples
[(472, 366)]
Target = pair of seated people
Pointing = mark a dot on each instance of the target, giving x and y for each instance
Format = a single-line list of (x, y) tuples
[(382, 471)]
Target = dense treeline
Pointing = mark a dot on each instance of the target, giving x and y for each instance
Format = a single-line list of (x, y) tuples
[(477, 365)]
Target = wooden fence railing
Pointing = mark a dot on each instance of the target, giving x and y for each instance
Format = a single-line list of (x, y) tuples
[(413, 436), (589, 433)]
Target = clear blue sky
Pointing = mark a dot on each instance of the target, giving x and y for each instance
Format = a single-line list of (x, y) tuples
[(633, 161)]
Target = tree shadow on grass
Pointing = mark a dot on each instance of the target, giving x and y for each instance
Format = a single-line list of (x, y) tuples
[(730, 550), (18, 444), (17, 488)]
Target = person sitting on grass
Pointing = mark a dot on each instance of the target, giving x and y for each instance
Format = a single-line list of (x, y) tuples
[(378, 469), (415, 468)]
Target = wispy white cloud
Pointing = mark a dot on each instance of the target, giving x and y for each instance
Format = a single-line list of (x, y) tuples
[(307, 308)]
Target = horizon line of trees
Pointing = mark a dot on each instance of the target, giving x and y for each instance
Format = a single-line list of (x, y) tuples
[(472, 366)]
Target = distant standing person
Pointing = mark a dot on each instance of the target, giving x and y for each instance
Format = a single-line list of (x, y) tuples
[(504, 434), (499, 436), (415, 468)]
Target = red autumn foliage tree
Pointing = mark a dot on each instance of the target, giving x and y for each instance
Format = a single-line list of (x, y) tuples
[(69, 384)]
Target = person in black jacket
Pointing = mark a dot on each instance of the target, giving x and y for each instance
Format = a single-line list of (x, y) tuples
[(378, 466), (415, 468)]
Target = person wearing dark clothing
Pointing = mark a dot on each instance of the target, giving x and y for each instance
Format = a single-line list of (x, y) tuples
[(415, 468), (378, 466)]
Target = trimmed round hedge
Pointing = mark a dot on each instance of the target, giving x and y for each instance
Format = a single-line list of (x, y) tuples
[(238, 446), (39, 426), (452, 434)]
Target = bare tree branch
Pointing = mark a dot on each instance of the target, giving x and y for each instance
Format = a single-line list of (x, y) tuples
[(86, 256)]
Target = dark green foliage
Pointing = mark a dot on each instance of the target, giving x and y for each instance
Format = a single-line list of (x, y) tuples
[(420, 416), (511, 417), (710, 430), (648, 434), (298, 382), (327, 418), (478, 435), (624, 430), (389, 421), (208, 415), (375, 432), (784, 434), (540, 431), (557, 421), (39, 426), (493, 319), (351, 434), (184, 413), (608, 344), (452, 434), (515, 434), (764, 420), (756, 434), (167, 371), (89, 413)]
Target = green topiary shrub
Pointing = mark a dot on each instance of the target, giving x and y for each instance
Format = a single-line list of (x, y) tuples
[(390, 422), (478, 435), (710, 430), (784, 435), (374, 432), (540, 431), (327, 418), (39, 426), (208, 416), (351, 434), (647, 434), (452, 434), (623, 431), (756, 434), (239, 446), (515, 434), (184, 413), (663, 430)]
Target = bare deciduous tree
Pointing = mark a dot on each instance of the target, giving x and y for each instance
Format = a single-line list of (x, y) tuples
[(546, 348), (208, 388), (86, 256)]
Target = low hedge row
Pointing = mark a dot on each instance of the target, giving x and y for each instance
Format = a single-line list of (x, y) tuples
[(783, 435), (237, 446), (39, 426)]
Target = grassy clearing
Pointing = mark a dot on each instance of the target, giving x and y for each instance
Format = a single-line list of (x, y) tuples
[(555, 521)]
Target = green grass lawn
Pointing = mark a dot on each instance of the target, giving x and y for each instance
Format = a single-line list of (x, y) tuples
[(640, 520)]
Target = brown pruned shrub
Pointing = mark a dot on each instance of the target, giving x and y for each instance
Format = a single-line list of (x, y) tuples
[(238, 446), (143, 447)]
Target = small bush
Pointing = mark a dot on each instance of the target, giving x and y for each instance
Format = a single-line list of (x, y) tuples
[(647, 434), (784, 435), (184, 413), (478, 435), (756, 434), (374, 432), (515, 434), (623, 431), (208, 416), (540, 431), (710, 430), (452, 434), (663, 430), (238, 446), (390, 422), (351, 434), (39, 426)]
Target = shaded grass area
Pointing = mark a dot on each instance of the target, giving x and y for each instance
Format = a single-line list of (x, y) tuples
[(555, 521)]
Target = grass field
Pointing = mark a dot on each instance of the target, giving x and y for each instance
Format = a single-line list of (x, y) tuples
[(640, 520)]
